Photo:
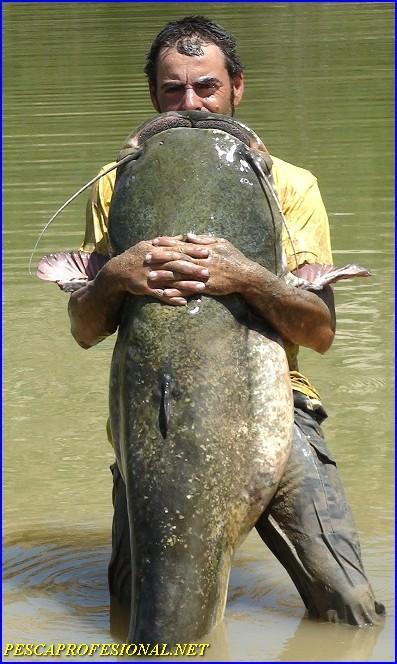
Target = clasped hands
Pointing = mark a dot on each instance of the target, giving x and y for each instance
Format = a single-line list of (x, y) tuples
[(174, 268)]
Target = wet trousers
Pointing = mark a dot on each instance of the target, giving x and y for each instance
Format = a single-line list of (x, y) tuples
[(308, 526)]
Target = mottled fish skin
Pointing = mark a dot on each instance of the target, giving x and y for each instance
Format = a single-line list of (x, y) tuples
[(195, 492)]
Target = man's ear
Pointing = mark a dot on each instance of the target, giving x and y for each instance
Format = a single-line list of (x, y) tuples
[(153, 95), (238, 87)]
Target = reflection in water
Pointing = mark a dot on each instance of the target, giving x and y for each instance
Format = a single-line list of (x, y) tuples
[(74, 89), (348, 644), (50, 575), (48, 581), (218, 650), (57, 583)]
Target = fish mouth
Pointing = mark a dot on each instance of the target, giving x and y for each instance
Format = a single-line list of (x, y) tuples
[(193, 120)]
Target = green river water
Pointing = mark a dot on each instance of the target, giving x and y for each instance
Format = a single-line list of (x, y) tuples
[(319, 91)]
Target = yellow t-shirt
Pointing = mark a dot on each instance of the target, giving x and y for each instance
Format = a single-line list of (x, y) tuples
[(307, 239)]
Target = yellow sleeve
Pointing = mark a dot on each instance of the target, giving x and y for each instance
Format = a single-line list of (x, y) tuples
[(308, 237), (96, 227)]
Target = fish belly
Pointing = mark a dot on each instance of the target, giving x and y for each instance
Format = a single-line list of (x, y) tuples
[(200, 396), (199, 475)]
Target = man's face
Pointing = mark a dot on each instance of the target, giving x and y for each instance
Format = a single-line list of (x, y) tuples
[(195, 82)]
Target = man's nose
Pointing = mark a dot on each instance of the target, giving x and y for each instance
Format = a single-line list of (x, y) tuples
[(191, 101)]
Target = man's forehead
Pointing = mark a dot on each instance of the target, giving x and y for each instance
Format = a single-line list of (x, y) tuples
[(171, 63)]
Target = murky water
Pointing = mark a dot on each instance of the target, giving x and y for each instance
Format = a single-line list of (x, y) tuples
[(319, 93)]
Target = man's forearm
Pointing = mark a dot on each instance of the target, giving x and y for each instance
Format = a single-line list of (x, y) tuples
[(94, 312), (300, 316)]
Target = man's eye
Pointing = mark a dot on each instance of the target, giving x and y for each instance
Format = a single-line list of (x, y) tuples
[(173, 89), (206, 88)]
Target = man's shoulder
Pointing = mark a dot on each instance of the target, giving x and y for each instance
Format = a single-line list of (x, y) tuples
[(103, 188), (105, 167), (289, 176)]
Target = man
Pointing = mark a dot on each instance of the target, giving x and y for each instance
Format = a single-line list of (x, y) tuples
[(192, 65)]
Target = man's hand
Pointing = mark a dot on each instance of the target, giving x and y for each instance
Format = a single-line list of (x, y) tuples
[(225, 264), (301, 317), (169, 275)]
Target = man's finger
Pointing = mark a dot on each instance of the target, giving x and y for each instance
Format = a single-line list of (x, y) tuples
[(186, 287), (186, 269), (168, 240), (162, 255), (168, 296), (193, 250), (189, 249), (172, 292), (175, 301), (161, 275), (201, 239)]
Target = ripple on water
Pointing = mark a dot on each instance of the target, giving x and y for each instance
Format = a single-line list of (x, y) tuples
[(58, 589), (364, 385)]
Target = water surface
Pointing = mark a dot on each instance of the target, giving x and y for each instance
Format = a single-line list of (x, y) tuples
[(319, 93)]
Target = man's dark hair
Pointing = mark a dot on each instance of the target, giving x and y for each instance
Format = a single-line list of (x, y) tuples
[(188, 34)]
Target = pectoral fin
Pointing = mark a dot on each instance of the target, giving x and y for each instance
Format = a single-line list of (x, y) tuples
[(70, 269), (316, 276)]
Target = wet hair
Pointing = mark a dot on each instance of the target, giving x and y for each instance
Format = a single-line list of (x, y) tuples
[(188, 34)]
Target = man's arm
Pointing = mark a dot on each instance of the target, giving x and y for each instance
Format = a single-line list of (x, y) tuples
[(302, 317), (94, 310)]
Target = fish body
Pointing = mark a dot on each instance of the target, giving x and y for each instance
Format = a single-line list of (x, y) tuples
[(200, 398)]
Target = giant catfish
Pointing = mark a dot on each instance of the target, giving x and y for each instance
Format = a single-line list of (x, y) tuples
[(200, 401), (200, 397)]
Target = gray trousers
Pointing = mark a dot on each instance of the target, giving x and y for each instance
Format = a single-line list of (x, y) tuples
[(308, 526)]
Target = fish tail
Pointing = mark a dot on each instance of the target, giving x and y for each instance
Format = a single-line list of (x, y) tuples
[(165, 404)]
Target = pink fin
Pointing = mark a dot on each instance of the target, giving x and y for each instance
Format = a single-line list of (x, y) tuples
[(70, 269), (315, 276)]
